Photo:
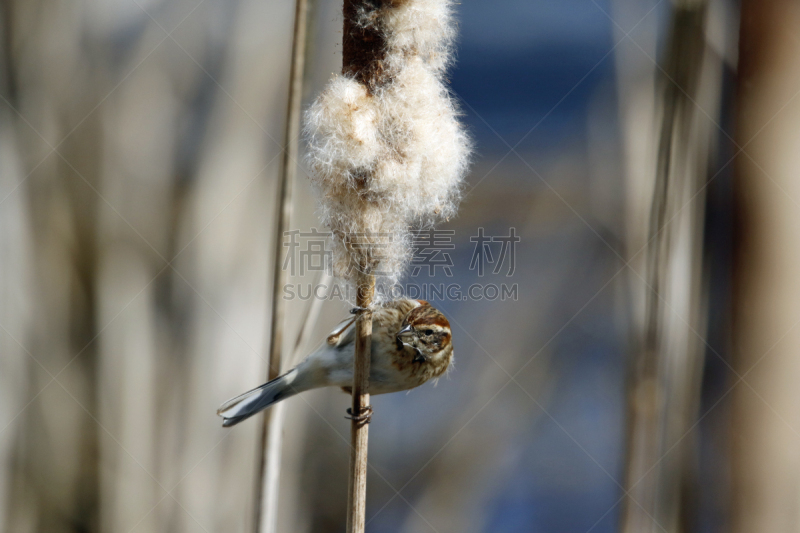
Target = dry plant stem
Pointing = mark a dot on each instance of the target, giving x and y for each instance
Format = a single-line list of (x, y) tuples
[(359, 429), (666, 370), (269, 449), (309, 319), (362, 58), (765, 458)]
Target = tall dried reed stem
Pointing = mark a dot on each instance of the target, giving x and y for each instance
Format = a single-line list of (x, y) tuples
[(666, 370), (269, 449), (359, 429), (360, 56), (387, 154), (764, 455)]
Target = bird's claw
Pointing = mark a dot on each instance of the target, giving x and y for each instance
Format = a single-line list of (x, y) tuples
[(358, 310), (363, 418)]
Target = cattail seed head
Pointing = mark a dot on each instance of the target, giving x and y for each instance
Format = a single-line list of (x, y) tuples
[(387, 153)]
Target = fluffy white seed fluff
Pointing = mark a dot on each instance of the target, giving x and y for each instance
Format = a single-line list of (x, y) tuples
[(392, 160)]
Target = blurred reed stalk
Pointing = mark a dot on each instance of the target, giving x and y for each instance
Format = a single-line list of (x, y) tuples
[(765, 456), (50, 227), (269, 449), (666, 370)]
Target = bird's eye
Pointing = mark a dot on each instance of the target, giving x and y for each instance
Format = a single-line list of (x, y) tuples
[(428, 332)]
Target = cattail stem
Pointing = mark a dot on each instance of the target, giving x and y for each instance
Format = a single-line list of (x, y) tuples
[(359, 429), (269, 449), (387, 154), (362, 58)]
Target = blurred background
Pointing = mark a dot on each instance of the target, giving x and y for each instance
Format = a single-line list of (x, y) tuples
[(642, 377)]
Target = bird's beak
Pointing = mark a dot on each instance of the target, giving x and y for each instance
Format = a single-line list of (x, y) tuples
[(402, 335), (404, 332)]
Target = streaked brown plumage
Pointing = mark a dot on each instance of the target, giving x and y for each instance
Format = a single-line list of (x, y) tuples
[(411, 343)]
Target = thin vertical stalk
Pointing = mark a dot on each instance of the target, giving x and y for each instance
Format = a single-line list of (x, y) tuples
[(765, 457), (362, 54), (269, 449), (359, 428), (665, 373), (308, 320)]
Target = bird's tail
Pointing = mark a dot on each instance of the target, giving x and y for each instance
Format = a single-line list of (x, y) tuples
[(246, 405)]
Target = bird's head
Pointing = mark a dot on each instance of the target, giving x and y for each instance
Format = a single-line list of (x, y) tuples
[(427, 331)]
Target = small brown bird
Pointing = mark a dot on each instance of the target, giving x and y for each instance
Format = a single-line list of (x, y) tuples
[(411, 343)]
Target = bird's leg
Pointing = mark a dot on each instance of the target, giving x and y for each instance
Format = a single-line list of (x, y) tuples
[(364, 417)]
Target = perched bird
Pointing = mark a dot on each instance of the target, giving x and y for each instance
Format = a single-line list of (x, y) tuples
[(411, 343)]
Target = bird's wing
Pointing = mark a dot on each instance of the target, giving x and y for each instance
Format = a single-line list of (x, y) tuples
[(344, 333)]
